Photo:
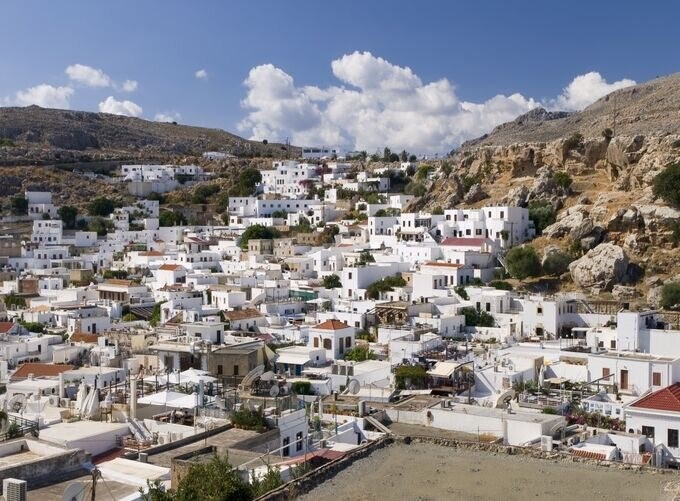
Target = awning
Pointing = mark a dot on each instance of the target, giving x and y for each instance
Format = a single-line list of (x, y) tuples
[(292, 358), (443, 369)]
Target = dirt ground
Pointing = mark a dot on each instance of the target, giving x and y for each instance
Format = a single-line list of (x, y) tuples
[(430, 472)]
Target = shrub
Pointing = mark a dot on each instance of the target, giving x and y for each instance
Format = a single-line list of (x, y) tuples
[(19, 206), (302, 388), (359, 354), (331, 282), (477, 318), (68, 214), (469, 182), (33, 326), (501, 285), (437, 211), (257, 231), (100, 206), (542, 213), (667, 185), (557, 263), (415, 188), (384, 285), (203, 192), (523, 262), (670, 296), (100, 225), (574, 142), (416, 375), (247, 419), (460, 290), (563, 179), (171, 218)]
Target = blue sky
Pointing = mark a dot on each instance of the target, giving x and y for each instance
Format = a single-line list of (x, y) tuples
[(479, 50)]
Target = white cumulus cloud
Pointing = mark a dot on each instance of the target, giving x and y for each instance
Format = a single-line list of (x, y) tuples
[(167, 116), (585, 90), (379, 104), (87, 75), (129, 86), (45, 95), (115, 107), (201, 74)]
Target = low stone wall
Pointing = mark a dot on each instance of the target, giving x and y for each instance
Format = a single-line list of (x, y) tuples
[(305, 483), (157, 449), (533, 452)]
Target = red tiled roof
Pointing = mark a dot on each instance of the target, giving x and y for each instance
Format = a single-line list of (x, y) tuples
[(243, 314), (332, 325), (666, 399), (170, 267), (84, 337), (40, 370), (465, 242), (6, 327)]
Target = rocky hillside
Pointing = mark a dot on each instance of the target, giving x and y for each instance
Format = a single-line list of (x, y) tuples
[(624, 240), (34, 135), (650, 109)]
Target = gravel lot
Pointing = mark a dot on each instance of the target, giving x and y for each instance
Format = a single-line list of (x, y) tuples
[(429, 472)]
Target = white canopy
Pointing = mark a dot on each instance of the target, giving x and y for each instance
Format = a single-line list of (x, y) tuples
[(189, 376), (443, 369), (173, 399)]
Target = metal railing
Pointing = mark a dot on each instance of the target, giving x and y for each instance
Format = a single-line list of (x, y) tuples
[(24, 427)]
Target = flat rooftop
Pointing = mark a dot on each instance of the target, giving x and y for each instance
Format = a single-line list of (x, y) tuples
[(630, 355)]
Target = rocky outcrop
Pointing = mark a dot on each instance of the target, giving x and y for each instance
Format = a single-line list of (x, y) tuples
[(602, 267), (544, 188), (574, 223), (475, 194)]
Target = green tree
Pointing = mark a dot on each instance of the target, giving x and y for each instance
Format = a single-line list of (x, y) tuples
[(247, 182), (437, 211), (386, 284), (156, 314), (475, 318), (523, 262), (542, 213), (501, 285), (667, 185), (403, 156), (215, 480), (171, 218), (257, 231), (204, 192), (415, 188), (100, 206), (410, 376), (557, 263), (365, 257), (670, 296), (68, 214), (100, 225), (563, 179), (331, 282), (574, 142), (469, 182), (359, 354), (19, 206), (412, 158)]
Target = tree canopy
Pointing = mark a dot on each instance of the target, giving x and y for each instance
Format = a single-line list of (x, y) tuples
[(667, 185), (68, 214), (100, 206), (257, 231), (331, 282), (522, 262)]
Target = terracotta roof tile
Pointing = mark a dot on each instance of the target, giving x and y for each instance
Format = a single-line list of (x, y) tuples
[(40, 370), (332, 325), (83, 337), (243, 314), (666, 399), (6, 327), (171, 267)]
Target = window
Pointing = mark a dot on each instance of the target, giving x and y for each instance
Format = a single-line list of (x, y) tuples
[(648, 431), (219, 369), (672, 438), (298, 441), (612, 344), (656, 380), (539, 310), (488, 306), (286, 449), (348, 341), (235, 370), (605, 371)]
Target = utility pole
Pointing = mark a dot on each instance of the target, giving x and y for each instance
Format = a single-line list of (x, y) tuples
[(95, 475)]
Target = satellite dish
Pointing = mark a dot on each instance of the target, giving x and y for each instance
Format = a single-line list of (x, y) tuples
[(353, 386), (74, 492), (17, 403), (274, 391), (252, 375)]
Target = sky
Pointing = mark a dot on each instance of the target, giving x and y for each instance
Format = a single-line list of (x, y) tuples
[(358, 74)]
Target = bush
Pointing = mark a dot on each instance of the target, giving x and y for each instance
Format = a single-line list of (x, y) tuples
[(542, 213), (359, 354), (667, 185), (100, 225), (19, 206), (415, 188), (101, 206), (302, 388), (437, 211), (670, 296), (523, 262), (477, 318), (557, 263), (384, 285), (331, 282), (171, 218), (416, 375), (469, 182), (247, 419), (563, 179), (204, 192), (247, 182), (68, 214), (501, 285), (460, 290), (574, 142), (33, 326), (12, 300), (257, 231)]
